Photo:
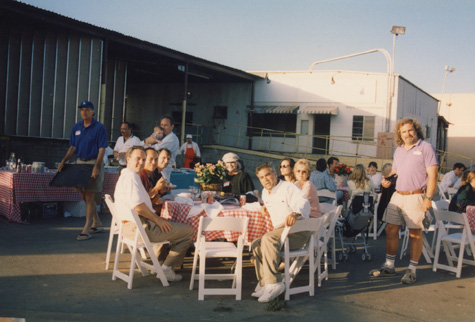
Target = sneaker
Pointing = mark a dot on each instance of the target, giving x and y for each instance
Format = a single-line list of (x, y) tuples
[(383, 272), (171, 275), (409, 277), (271, 292), (258, 291)]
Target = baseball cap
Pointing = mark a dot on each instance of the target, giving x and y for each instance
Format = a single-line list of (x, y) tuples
[(230, 157), (86, 104)]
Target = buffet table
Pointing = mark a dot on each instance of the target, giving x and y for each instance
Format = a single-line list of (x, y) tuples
[(34, 187)]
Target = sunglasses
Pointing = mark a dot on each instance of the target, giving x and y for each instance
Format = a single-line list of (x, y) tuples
[(285, 166)]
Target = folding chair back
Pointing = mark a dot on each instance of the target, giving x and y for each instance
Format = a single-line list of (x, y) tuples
[(114, 230), (462, 239), (204, 249), (444, 195), (327, 207), (300, 256), (442, 205), (329, 194), (140, 240)]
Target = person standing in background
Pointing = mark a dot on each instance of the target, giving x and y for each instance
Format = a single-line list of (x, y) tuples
[(88, 142)]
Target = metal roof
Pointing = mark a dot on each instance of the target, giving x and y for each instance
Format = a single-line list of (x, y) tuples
[(147, 62), (333, 110), (275, 109)]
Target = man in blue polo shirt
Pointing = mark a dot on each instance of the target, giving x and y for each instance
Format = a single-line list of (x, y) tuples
[(88, 142)]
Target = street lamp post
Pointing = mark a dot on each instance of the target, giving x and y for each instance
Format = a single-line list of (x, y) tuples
[(447, 70)]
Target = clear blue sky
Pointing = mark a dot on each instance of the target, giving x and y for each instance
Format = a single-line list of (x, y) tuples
[(257, 35)]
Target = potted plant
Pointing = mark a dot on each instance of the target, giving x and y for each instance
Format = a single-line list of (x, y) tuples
[(210, 176), (342, 171)]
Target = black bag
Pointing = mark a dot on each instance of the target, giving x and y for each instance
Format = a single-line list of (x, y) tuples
[(427, 220), (359, 220)]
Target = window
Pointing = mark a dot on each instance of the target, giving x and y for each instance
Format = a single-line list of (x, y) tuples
[(304, 127), (363, 128), (273, 124), (177, 117)]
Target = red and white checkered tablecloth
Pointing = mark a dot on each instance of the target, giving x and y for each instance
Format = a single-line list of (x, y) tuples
[(32, 187), (470, 211), (258, 224)]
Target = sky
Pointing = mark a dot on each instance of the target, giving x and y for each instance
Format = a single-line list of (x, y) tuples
[(271, 35)]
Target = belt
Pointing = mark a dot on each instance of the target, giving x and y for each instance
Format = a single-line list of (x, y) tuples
[(413, 192), (84, 160)]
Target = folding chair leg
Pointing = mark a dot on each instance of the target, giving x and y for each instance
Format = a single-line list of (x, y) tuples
[(109, 248), (193, 271)]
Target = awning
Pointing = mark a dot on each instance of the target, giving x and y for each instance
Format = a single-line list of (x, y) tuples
[(275, 109), (333, 110)]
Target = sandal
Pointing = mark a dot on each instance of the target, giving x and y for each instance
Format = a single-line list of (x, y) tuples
[(383, 272), (96, 230), (82, 237), (409, 277)]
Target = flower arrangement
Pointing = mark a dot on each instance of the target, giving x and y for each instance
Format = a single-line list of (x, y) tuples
[(343, 169), (210, 173)]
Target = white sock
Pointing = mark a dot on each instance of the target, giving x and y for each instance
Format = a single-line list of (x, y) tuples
[(390, 260)]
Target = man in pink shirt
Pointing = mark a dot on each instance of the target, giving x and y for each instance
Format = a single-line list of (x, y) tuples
[(415, 165)]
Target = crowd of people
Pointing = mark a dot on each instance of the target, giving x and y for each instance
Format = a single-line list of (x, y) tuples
[(407, 188)]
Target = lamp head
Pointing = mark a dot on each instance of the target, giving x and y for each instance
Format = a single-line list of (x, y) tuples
[(398, 30)]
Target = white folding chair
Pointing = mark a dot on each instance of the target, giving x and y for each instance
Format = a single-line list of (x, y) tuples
[(426, 248), (463, 239), (331, 234), (373, 227), (204, 249), (301, 255), (327, 231), (329, 194), (443, 194), (114, 230), (140, 240)]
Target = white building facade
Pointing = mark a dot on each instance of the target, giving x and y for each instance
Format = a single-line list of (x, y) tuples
[(338, 112)]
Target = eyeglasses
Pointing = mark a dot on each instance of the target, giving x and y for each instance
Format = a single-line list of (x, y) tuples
[(284, 166)]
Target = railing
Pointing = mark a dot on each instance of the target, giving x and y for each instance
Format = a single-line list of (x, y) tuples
[(287, 143)]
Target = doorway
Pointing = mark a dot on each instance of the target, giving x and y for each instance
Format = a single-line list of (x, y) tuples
[(321, 141)]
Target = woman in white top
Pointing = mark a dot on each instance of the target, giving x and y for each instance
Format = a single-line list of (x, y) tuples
[(358, 182)]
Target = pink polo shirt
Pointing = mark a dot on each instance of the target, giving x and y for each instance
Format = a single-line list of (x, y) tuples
[(411, 166)]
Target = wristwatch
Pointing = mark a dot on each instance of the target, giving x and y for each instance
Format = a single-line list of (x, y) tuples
[(429, 198)]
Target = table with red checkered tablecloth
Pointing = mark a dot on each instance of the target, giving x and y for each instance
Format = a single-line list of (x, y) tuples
[(34, 187), (471, 217), (258, 223)]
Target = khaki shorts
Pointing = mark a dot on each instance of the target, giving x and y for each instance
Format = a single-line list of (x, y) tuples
[(405, 210), (96, 184)]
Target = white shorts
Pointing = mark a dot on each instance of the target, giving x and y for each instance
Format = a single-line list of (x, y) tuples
[(405, 210)]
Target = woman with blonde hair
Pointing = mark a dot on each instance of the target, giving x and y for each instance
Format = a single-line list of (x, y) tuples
[(359, 182), (302, 172), (465, 196)]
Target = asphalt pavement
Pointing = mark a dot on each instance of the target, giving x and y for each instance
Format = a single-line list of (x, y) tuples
[(46, 275)]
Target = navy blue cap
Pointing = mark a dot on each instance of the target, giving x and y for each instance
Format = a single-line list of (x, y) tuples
[(86, 104)]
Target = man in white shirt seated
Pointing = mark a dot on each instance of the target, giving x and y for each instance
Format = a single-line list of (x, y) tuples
[(124, 143), (451, 177), (285, 203), (131, 194), (375, 176)]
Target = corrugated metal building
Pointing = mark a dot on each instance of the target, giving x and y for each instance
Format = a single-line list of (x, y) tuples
[(49, 63)]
